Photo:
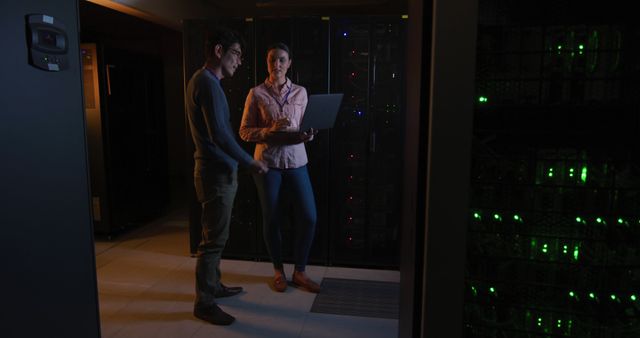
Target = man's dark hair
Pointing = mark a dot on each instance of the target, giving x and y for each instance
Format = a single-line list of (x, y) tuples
[(224, 37), (279, 45)]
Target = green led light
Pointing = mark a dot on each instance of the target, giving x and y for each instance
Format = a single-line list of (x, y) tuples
[(613, 297), (559, 47), (476, 215), (592, 295), (550, 173), (545, 248), (583, 175), (559, 323), (517, 218), (599, 220), (474, 290), (565, 249), (497, 217), (539, 321), (571, 170), (576, 252), (483, 99), (572, 294), (579, 220), (581, 47), (620, 220), (633, 298), (492, 290)]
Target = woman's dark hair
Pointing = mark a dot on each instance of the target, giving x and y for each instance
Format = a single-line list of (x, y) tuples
[(224, 37), (279, 45)]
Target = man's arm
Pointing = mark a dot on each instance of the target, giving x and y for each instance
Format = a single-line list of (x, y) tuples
[(218, 126)]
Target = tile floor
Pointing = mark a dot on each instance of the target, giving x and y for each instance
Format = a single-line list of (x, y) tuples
[(146, 284)]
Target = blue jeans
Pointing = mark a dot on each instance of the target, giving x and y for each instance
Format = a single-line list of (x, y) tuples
[(216, 192), (275, 189)]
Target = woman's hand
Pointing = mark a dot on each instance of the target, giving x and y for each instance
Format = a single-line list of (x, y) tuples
[(308, 135), (280, 125)]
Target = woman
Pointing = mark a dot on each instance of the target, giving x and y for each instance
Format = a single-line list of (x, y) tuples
[(272, 115)]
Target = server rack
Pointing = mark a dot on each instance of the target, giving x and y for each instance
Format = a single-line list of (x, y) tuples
[(126, 137), (367, 140), (555, 188)]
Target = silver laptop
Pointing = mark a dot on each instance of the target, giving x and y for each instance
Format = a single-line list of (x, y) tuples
[(321, 111)]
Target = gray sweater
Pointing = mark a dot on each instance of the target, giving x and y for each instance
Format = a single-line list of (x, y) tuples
[(208, 114)]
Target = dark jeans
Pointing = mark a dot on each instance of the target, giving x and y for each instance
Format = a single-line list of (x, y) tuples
[(275, 188), (216, 192)]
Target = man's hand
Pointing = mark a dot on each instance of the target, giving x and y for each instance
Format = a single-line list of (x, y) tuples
[(258, 167)]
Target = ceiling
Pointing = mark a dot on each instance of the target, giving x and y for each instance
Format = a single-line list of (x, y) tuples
[(171, 13)]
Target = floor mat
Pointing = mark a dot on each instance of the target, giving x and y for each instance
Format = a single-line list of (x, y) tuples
[(354, 297)]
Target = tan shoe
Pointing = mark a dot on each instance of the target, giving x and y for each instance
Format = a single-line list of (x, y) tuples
[(300, 279), (280, 282)]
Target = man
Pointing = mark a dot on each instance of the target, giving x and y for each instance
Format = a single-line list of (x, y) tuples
[(217, 155)]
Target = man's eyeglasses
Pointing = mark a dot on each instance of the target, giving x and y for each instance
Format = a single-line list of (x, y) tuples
[(236, 53)]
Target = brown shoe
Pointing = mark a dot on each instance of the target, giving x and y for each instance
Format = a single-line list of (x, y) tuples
[(300, 279), (280, 282)]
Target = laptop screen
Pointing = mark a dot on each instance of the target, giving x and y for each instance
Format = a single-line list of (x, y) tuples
[(321, 111)]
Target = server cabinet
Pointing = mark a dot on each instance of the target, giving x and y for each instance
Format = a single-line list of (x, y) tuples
[(554, 220), (126, 137), (368, 60)]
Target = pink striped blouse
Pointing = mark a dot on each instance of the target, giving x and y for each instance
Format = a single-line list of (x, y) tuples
[(263, 106)]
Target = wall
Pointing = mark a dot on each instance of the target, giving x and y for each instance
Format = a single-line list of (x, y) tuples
[(48, 268)]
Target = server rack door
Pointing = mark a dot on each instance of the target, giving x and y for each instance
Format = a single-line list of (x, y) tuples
[(245, 238), (367, 65), (310, 68), (555, 193), (387, 97), (95, 144), (134, 137)]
